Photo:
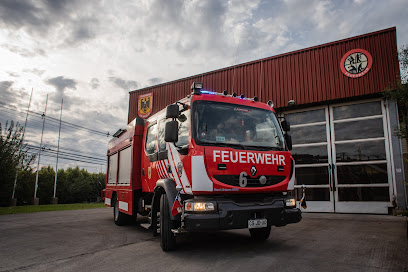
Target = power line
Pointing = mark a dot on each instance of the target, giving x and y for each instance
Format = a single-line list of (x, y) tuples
[(64, 148), (33, 145), (67, 158), (49, 160), (11, 113), (32, 119), (68, 149), (66, 153), (57, 120)]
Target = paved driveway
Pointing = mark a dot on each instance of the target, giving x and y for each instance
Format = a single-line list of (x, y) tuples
[(88, 240)]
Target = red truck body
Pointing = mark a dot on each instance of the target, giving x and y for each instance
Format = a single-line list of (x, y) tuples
[(228, 167)]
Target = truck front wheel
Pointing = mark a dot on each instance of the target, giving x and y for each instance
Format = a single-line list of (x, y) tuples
[(167, 238), (260, 234), (118, 217)]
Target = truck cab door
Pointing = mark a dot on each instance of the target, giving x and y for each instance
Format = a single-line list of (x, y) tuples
[(150, 158)]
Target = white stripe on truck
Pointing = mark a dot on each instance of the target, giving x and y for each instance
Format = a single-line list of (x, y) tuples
[(200, 179)]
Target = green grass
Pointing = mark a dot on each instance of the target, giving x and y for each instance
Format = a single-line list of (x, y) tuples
[(46, 208), (403, 213)]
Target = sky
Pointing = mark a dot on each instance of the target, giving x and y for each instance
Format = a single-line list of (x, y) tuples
[(92, 53)]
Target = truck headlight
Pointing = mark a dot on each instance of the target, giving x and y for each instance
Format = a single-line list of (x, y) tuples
[(290, 202), (199, 206)]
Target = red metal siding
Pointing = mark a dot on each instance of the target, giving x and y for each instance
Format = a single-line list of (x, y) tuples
[(307, 76)]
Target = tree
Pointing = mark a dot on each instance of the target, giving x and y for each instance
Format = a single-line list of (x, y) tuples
[(46, 177), (25, 186), (98, 181), (77, 185), (12, 155), (400, 93)]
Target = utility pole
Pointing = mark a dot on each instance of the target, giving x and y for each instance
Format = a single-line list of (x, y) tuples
[(13, 199), (36, 200), (54, 200)]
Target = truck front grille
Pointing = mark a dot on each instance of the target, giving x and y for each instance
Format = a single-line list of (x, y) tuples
[(233, 180)]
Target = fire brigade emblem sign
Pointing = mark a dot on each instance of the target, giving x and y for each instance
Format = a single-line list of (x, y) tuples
[(356, 63), (145, 104)]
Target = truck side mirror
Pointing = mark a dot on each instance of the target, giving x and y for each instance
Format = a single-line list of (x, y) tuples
[(172, 111), (285, 125), (171, 131), (288, 140)]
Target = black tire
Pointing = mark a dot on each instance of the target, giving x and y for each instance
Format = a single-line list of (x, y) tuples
[(119, 217), (167, 238), (261, 234)]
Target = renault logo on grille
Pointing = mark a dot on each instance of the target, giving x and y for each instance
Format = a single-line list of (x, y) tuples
[(253, 171)]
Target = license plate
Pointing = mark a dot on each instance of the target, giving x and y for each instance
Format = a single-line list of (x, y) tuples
[(257, 223)]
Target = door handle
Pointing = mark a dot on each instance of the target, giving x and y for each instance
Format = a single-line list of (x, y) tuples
[(334, 183), (330, 178)]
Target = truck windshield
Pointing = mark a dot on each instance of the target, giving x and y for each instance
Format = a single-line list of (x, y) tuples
[(236, 126)]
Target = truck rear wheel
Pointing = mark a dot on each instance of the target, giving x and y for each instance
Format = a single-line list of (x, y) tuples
[(260, 234), (119, 217), (167, 238)]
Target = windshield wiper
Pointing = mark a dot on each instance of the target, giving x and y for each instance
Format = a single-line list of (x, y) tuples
[(240, 145), (266, 147), (232, 145), (244, 147)]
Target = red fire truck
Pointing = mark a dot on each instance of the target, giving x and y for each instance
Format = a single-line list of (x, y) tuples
[(211, 161)]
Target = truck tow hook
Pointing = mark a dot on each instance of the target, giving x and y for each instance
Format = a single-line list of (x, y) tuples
[(303, 200), (178, 231)]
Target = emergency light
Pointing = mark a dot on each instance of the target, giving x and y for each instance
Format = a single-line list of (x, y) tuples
[(196, 87), (207, 92), (291, 102)]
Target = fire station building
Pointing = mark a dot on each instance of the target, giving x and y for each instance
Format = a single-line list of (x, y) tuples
[(346, 152)]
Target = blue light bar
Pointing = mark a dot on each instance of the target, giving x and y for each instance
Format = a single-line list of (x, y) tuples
[(207, 92)]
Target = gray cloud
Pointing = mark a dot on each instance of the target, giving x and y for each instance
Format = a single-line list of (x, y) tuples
[(7, 94), (35, 71), (13, 103), (127, 85), (99, 119), (17, 14), (61, 84), (23, 51), (13, 74), (155, 81), (188, 27), (290, 25), (83, 29), (94, 83), (43, 18)]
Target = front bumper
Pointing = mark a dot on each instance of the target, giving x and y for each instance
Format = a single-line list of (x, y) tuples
[(234, 215)]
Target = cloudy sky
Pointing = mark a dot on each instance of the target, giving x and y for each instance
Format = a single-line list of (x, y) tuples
[(92, 53)]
